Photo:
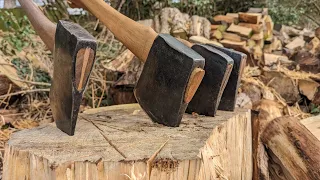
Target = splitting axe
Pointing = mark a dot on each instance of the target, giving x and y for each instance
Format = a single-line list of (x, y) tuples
[(74, 51), (218, 69)]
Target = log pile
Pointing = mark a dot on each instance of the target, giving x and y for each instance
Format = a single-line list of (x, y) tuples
[(250, 31)]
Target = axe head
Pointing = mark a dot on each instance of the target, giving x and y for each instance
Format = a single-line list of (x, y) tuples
[(218, 68), (162, 86), (229, 96), (74, 56)]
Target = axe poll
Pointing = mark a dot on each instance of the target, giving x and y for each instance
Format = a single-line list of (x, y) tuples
[(74, 51), (172, 72)]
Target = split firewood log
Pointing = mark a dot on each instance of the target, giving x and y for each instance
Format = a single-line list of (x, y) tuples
[(223, 18), (296, 43), (263, 113), (314, 46), (307, 61), (294, 152), (283, 84), (271, 59), (257, 28), (308, 88), (203, 40), (243, 31), (232, 37), (200, 26), (252, 18)]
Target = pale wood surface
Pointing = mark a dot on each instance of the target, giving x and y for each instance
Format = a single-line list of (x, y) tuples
[(231, 37), (84, 62), (126, 140), (227, 19), (294, 152), (252, 18), (193, 84), (243, 31), (313, 125), (257, 28)]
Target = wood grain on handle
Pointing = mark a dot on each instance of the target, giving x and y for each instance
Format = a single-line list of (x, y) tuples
[(84, 62), (135, 36), (42, 25), (193, 84), (185, 42)]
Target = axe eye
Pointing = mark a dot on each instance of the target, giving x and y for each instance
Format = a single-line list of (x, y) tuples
[(84, 62)]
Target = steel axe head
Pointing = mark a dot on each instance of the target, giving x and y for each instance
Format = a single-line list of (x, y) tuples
[(74, 56), (229, 95), (169, 79), (218, 68)]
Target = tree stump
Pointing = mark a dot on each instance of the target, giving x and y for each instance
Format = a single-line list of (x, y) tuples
[(121, 142)]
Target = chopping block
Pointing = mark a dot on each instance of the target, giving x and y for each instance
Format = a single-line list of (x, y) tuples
[(117, 142)]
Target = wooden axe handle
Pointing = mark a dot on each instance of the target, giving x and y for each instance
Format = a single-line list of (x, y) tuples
[(185, 42), (135, 36), (43, 26)]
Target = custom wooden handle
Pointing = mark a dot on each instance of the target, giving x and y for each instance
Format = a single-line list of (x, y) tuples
[(42, 25), (84, 62), (193, 84), (135, 36)]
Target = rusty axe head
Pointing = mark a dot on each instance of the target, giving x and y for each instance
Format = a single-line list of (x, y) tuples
[(74, 50), (172, 71)]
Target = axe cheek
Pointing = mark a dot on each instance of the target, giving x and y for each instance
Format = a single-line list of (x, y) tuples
[(163, 83)]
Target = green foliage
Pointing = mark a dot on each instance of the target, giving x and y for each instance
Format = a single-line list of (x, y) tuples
[(205, 8), (24, 71), (283, 13), (20, 28), (315, 109)]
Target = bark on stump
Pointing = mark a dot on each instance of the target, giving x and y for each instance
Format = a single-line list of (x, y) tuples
[(116, 143)]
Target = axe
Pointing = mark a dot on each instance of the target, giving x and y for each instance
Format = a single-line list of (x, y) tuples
[(229, 96), (74, 51), (218, 69), (172, 71)]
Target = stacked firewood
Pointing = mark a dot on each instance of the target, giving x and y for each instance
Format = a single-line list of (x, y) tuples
[(250, 31)]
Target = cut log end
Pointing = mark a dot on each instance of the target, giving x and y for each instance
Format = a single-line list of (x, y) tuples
[(116, 141)]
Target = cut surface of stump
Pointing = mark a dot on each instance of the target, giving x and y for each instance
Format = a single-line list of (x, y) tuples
[(116, 142)]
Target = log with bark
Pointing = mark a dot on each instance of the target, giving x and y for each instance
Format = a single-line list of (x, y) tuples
[(294, 152), (264, 112), (121, 142)]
